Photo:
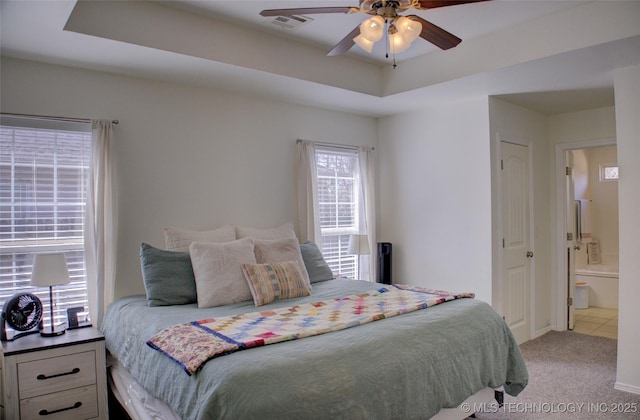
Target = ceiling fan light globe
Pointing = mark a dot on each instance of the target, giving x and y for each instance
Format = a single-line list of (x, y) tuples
[(397, 43), (373, 29), (401, 23), (363, 43), (409, 28)]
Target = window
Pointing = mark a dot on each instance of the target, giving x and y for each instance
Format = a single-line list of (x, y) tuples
[(44, 168), (608, 172), (339, 207)]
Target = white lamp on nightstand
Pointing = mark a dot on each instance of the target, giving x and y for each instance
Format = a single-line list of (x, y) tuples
[(50, 270), (358, 245)]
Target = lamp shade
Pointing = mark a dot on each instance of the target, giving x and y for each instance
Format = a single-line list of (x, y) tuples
[(397, 43), (358, 245), (50, 270), (373, 29), (408, 28), (363, 43)]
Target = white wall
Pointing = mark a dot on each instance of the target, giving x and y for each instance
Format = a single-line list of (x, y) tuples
[(627, 91), (581, 126), (514, 123), (187, 156), (435, 189)]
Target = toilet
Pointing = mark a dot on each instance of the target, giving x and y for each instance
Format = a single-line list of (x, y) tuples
[(582, 295)]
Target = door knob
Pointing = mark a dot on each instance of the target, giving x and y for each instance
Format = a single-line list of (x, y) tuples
[(529, 254)]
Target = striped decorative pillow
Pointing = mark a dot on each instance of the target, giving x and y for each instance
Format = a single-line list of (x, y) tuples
[(275, 281)]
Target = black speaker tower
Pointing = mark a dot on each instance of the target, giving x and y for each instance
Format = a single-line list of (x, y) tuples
[(384, 262)]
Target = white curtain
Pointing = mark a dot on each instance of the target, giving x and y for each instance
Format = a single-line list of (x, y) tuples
[(307, 191), (368, 211), (101, 221)]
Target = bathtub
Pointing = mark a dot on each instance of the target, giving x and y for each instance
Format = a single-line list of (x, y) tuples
[(603, 283)]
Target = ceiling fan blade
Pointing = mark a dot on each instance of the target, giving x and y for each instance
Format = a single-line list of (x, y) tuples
[(435, 34), (346, 43), (306, 11), (428, 4)]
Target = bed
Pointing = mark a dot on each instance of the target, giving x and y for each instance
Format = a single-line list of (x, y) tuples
[(409, 366), (417, 364)]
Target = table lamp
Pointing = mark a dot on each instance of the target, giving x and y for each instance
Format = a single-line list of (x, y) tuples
[(50, 270)]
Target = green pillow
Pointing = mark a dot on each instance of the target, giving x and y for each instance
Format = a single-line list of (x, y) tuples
[(168, 276), (317, 267)]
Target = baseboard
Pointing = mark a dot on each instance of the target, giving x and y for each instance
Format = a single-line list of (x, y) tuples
[(541, 332), (627, 388)]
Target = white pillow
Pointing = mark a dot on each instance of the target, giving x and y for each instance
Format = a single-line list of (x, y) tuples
[(280, 250), (217, 268), (180, 239), (280, 232)]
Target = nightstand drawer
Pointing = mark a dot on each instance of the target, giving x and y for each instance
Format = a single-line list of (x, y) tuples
[(78, 403), (53, 374)]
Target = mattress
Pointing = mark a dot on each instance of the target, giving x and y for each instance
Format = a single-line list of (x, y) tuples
[(139, 404), (409, 366)]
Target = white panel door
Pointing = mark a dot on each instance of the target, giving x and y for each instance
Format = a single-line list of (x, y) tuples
[(516, 270)]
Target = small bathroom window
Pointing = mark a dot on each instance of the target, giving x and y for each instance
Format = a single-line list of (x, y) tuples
[(608, 172)]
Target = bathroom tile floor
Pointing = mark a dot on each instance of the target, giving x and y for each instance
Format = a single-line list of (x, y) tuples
[(602, 322)]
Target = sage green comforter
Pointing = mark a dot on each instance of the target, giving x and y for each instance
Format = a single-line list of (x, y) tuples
[(405, 367)]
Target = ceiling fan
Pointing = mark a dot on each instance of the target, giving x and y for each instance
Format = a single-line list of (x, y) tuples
[(386, 19)]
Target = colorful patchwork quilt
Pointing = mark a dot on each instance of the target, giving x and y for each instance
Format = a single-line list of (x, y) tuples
[(192, 344)]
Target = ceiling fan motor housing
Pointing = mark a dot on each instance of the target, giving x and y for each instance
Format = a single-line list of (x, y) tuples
[(374, 5)]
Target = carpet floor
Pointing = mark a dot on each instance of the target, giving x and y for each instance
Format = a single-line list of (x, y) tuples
[(571, 376)]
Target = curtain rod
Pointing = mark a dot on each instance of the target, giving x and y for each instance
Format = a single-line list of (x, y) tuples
[(49, 117), (342, 146)]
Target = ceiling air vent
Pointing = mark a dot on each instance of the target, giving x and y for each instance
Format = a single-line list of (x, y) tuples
[(290, 22)]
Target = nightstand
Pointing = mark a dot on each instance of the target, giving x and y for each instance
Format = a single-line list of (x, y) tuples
[(58, 377)]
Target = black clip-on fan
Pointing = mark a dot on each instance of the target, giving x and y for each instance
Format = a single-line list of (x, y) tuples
[(23, 312)]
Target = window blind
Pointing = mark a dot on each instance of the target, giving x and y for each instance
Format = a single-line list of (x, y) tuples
[(44, 169), (338, 194)]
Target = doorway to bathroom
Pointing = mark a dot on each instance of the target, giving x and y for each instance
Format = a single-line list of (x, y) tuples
[(591, 225)]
